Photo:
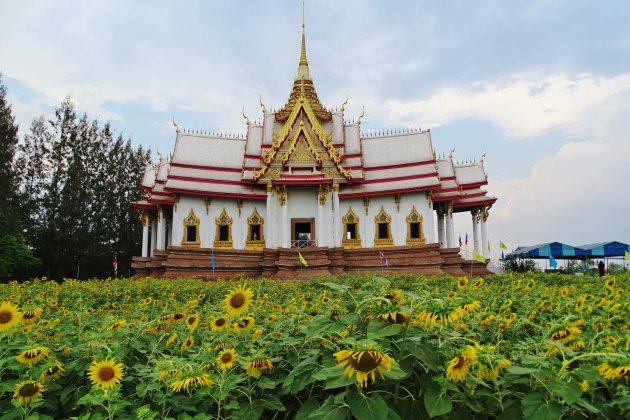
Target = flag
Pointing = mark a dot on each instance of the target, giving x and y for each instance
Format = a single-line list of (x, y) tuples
[(466, 238), (502, 256), (302, 260), (460, 241), (552, 261), (115, 266), (502, 245), (383, 259), (478, 257), (626, 256), (212, 263)]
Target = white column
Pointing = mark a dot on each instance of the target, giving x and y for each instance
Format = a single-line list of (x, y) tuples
[(145, 234), (160, 229), (336, 216), (484, 237), (269, 225), (153, 236), (475, 220), (430, 227), (286, 229), (319, 223), (440, 227), (450, 236)]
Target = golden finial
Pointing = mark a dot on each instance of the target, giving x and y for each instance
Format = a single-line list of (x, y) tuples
[(245, 116), (159, 154), (262, 105), (450, 155), (482, 156), (303, 71), (361, 116), (343, 105), (177, 128)]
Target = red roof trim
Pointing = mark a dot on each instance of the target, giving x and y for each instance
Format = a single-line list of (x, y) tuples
[(320, 181), (250, 168), (142, 206), (290, 176), (448, 178), (352, 156), (252, 157), (473, 185), (220, 195), (401, 165), (163, 194), (204, 180), (466, 206), (399, 178), (380, 193), (207, 168)]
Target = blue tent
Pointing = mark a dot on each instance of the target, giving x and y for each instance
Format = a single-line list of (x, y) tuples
[(555, 249), (606, 249)]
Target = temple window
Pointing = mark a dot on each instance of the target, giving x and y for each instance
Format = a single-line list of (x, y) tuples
[(415, 232), (255, 237), (383, 229), (351, 237), (191, 230), (223, 236)]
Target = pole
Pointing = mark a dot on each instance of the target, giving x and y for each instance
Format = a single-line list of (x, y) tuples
[(77, 271)]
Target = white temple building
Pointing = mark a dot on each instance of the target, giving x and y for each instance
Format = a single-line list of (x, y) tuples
[(305, 180)]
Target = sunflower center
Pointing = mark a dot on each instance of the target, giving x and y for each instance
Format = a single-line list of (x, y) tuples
[(52, 370), (28, 390), (220, 322), (191, 320), (226, 358), (461, 361), (106, 373), (5, 317), (237, 301), (366, 361)]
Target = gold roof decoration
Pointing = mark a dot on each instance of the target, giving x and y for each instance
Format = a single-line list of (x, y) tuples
[(303, 87)]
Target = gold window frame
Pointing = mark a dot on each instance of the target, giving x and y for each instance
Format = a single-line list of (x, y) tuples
[(255, 220), (191, 220), (351, 243), (223, 220), (415, 217), (383, 218)]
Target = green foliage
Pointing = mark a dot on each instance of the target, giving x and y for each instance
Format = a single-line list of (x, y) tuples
[(529, 346)]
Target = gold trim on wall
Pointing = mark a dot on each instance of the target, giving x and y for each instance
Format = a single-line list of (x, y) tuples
[(351, 217), (191, 220), (383, 218), (223, 220), (415, 217), (255, 220)]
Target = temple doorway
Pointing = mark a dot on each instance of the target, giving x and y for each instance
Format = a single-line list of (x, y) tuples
[(303, 233)]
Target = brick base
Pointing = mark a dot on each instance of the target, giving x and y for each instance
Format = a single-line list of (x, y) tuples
[(284, 263)]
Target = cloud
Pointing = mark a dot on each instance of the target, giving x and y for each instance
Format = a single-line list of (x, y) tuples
[(522, 106)]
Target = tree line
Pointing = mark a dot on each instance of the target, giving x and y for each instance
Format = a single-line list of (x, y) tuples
[(65, 192)]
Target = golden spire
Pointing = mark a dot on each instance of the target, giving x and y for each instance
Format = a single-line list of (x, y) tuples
[(303, 70)]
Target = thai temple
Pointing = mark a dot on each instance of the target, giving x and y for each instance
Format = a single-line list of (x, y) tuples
[(305, 184)]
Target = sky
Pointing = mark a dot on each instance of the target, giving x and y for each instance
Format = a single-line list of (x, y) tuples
[(542, 87)]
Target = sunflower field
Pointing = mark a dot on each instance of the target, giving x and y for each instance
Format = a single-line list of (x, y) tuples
[(529, 346)]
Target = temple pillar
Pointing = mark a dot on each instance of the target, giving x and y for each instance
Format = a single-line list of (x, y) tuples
[(319, 224), (145, 234), (283, 200), (336, 216), (430, 227), (440, 227), (269, 222), (153, 237), (160, 229), (484, 236), (475, 222), (450, 235)]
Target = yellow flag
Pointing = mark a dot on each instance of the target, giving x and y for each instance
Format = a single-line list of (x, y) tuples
[(502, 245), (488, 246), (626, 256), (302, 260), (478, 257)]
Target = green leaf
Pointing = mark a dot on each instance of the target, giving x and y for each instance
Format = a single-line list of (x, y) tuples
[(535, 407), (381, 281), (519, 370), (367, 407), (319, 325), (329, 411), (335, 286), (273, 403), (340, 381), (307, 408), (570, 392), (378, 329), (395, 373), (329, 372), (437, 402), (425, 353)]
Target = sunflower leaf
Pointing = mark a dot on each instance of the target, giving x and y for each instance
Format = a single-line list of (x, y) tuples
[(437, 402), (367, 406)]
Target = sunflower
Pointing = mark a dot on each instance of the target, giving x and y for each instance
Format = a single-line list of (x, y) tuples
[(166, 374), (171, 339), (223, 346), (462, 282), (565, 334), (187, 344), (192, 322), (257, 366), (238, 301), (117, 325), (365, 363), (459, 366), (191, 380), (31, 316), (395, 296), (52, 373), (610, 284), (219, 324), (29, 391), (478, 283), (106, 373), (244, 324), (33, 355), (325, 300), (226, 359), (9, 316)]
